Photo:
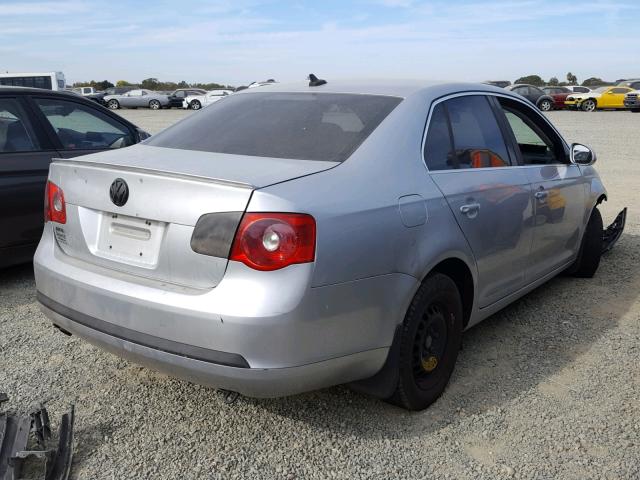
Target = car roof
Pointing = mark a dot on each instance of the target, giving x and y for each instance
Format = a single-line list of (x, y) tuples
[(511, 87), (393, 88), (27, 90)]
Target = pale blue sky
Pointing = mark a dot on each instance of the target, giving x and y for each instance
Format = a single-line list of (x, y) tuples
[(240, 41)]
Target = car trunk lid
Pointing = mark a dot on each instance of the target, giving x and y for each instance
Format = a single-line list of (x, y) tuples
[(150, 234)]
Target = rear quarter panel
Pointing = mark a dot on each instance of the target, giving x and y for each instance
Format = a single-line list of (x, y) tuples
[(360, 232)]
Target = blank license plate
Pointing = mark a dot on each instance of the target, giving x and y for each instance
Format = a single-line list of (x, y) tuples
[(130, 240)]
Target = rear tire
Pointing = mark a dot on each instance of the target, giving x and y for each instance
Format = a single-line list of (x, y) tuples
[(591, 249), (113, 104), (155, 105), (429, 343), (195, 105), (589, 105)]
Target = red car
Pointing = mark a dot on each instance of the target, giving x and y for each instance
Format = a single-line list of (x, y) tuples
[(559, 95)]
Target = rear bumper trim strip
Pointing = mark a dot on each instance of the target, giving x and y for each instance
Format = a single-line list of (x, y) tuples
[(144, 339)]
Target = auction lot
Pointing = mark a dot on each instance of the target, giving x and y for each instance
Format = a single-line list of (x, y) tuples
[(549, 388)]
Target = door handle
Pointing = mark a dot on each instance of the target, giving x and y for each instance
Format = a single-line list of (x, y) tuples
[(470, 210), (541, 195)]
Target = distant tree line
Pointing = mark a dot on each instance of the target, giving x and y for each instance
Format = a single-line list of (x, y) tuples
[(151, 84), (571, 79)]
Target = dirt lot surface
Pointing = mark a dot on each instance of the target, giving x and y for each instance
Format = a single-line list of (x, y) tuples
[(549, 388)]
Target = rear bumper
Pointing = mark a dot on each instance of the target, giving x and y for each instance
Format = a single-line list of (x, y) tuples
[(258, 333), (252, 382)]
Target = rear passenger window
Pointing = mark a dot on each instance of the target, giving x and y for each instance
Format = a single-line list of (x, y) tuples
[(437, 147), (15, 132), (477, 138)]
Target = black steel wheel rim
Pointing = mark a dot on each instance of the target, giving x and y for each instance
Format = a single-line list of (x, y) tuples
[(430, 343)]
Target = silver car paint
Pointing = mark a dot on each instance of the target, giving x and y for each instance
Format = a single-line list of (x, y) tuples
[(383, 225), (131, 100)]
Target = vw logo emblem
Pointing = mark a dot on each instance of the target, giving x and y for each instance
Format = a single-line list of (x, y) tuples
[(119, 192)]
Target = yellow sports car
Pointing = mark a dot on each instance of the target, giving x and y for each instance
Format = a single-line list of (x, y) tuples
[(603, 97)]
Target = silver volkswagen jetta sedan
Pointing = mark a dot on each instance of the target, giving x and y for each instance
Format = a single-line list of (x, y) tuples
[(290, 238)]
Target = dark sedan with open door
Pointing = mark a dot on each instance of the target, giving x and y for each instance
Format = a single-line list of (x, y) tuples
[(36, 126)]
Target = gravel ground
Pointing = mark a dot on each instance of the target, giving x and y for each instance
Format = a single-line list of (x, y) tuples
[(546, 389)]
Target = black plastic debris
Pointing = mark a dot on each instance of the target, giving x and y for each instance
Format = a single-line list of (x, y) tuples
[(15, 433), (612, 233)]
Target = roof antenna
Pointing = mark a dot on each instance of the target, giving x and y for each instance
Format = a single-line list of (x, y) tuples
[(315, 81)]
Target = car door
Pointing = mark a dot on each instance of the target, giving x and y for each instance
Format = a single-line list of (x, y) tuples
[(211, 97), (143, 99), (558, 189), (614, 98), (78, 129), (131, 98), (25, 154), (534, 94), (488, 194)]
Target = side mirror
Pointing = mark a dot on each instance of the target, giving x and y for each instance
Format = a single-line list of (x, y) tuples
[(582, 155), (142, 135)]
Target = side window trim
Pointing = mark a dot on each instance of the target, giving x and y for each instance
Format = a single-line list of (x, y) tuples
[(495, 95), (507, 133)]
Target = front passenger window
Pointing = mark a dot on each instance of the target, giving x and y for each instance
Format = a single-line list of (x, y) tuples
[(80, 127), (536, 148), (620, 90)]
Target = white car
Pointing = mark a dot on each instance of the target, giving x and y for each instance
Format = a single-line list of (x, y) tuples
[(578, 89), (84, 91), (196, 102)]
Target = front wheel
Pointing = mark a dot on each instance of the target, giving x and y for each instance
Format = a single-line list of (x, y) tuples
[(195, 105), (545, 105), (113, 104), (590, 252), (589, 105), (155, 105), (430, 340)]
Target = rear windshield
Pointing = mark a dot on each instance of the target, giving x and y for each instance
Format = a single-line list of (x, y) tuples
[(304, 126)]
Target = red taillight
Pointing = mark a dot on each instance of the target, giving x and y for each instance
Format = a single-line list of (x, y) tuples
[(55, 210), (270, 241)]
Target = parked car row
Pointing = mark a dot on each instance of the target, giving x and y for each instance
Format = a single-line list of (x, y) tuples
[(134, 97), (625, 95)]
